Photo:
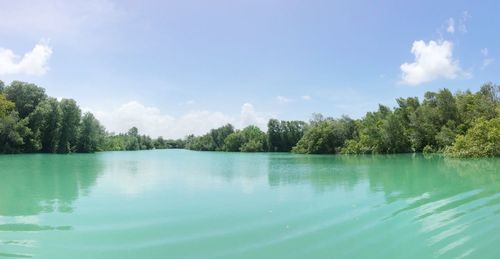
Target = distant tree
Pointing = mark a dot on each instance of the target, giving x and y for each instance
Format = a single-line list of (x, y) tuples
[(482, 140), (12, 133), (6, 106), (46, 126), (233, 142), (25, 96), (70, 123), (274, 135), (254, 140), (133, 139), (325, 135), (92, 134), (283, 135), (219, 135), (160, 143)]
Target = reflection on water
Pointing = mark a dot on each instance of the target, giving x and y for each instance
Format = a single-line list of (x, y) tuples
[(248, 205), (32, 184)]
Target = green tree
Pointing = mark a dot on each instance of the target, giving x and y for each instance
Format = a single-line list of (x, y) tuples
[(45, 123), (274, 135), (12, 133), (6, 106), (91, 134), (482, 140), (70, 123), (26, 96), (254, 140), (233, 142), (219, 135), (132, 142), (283, 135), (325, 136)]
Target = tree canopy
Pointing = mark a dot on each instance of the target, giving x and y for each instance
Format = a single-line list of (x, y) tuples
[(31, 121), (464, 124)]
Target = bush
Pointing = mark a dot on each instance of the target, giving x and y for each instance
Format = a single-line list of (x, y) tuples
[(428, 149), (482, 140)]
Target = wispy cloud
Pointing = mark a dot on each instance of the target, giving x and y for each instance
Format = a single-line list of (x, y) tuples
[(451, 26), (306, 97), (34, 62), (283, 99), (462, 22), (487, 60)]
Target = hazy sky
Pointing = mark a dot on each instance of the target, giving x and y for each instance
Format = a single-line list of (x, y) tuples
[(178, 67)]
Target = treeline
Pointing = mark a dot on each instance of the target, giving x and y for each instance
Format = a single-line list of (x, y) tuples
[(281, 136), (464, 124), (31, 121)]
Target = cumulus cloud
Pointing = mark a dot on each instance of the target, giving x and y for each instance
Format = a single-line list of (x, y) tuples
[(487, 60), (34, 62), (451, 26), (306, 97), (432, 61), (249, 116), (151, 121)]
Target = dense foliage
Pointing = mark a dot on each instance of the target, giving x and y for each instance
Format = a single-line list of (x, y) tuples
[(482, 140), (430, 126), (282, 136), (325, 135), (31, 121), (465, 125), (225, 138)]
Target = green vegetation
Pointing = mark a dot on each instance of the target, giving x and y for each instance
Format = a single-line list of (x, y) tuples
[(482, 140), (30, 121), (462, 125), (282, 136), (225, 138), (325, 135)]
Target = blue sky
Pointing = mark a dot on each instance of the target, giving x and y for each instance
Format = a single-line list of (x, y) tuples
[(178, 67)]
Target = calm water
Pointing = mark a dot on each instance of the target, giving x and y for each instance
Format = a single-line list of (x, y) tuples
[(176, 203)]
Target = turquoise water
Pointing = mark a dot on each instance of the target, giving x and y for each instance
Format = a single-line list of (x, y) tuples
[(186, 204)]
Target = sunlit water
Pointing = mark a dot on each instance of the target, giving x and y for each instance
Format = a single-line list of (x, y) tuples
[(185, 204)]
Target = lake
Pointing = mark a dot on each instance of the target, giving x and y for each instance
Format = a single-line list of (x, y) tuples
[(186, 204)]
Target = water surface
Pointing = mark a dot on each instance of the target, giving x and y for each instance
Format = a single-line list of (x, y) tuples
[(185, 204)]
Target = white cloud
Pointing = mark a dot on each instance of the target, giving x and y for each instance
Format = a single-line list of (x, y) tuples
[(432, 61), (283, 99), (306, 97), (451, 26), (249, 116), (487, 60), (151, 121), (34, 62)]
